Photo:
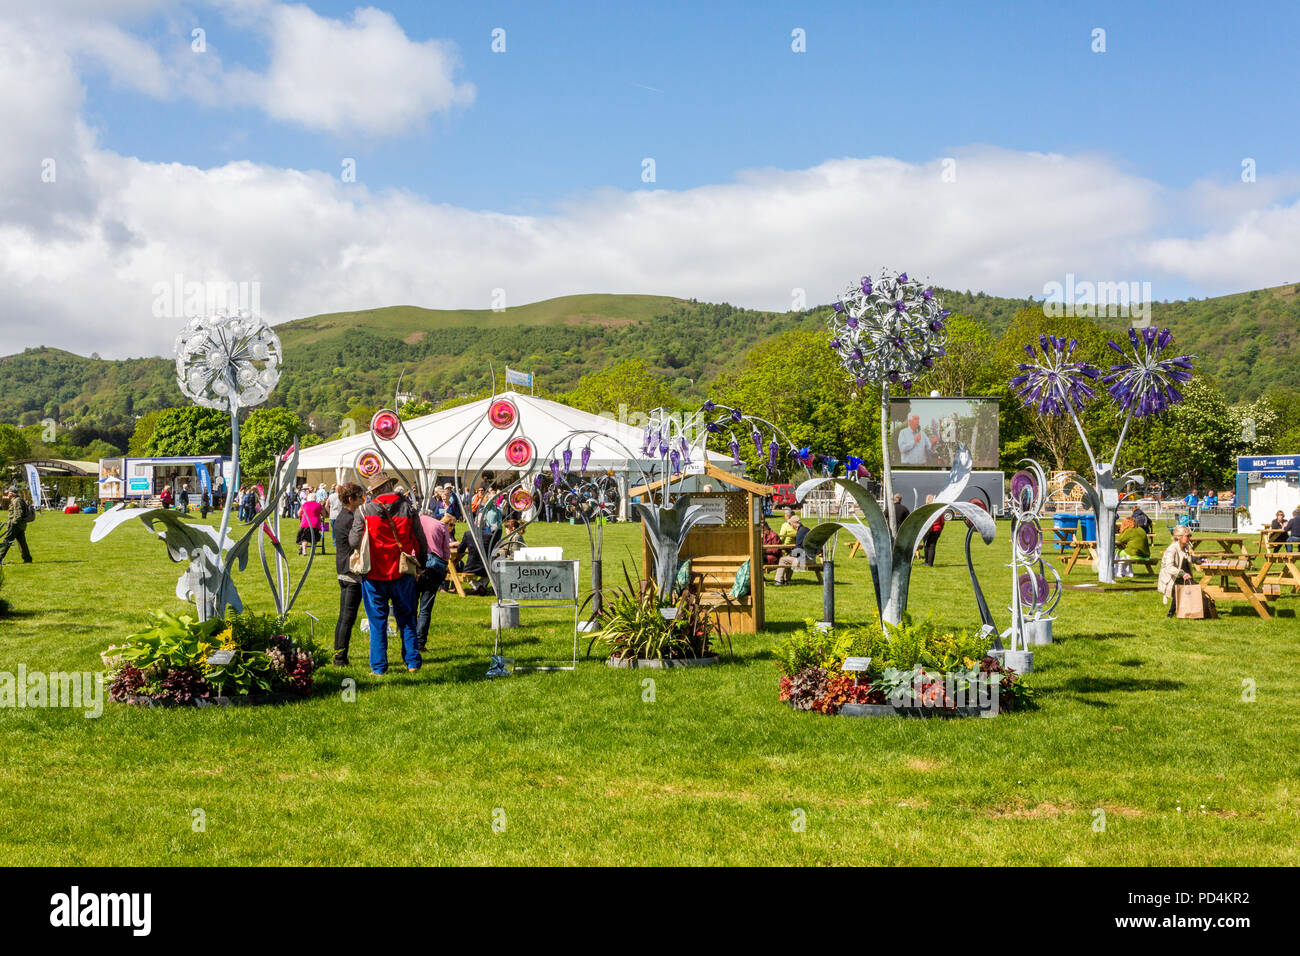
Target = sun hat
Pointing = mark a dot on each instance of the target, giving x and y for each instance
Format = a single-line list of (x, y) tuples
[(379, 480)]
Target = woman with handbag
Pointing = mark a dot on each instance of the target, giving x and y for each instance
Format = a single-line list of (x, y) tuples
[(1176, 566), (351, 497), (386, 528)]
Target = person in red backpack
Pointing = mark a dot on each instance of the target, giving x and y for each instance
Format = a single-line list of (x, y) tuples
[(397, 552), (932, 536)]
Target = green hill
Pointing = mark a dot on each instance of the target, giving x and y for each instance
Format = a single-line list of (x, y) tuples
[(338, 360)]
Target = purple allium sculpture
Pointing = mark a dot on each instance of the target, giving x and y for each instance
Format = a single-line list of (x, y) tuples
[(888, 331), (1142, 386)]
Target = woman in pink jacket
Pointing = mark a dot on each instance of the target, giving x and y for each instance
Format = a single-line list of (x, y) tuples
[(311, 526)]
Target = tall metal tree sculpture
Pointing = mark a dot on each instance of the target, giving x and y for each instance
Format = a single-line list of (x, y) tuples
[(891, 554), (887, 332), (1142, 386)]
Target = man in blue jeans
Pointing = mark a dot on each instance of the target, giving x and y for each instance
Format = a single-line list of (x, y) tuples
[(393, 527)]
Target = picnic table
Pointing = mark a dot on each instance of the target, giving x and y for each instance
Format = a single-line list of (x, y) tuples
[(1076, 551), (856, 546), (1235, 583), (1266, 545), (1288, 573), (1063, 537), (1229, 544)]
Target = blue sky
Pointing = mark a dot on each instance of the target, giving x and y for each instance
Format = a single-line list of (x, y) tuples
[(1182, 92), (984, 146)]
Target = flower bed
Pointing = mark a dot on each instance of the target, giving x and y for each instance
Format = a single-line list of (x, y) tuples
[(641, 630), (915, 669), (177, 661)]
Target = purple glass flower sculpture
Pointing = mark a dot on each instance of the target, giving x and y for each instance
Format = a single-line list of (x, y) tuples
[(1145, 385), (1054, 384)]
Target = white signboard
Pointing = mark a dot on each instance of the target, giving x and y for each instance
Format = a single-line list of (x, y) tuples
[(526, 581), (856, 663), (715, 509)]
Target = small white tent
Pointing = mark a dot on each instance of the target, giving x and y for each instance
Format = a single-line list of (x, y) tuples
[(464, 432)]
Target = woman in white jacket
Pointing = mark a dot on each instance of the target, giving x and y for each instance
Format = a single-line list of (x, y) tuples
[(1176, 565)]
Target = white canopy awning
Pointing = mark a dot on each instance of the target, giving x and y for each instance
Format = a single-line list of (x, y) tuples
[(464, 432)]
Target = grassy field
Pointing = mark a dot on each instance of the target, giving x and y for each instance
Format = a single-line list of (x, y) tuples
[(1137, 715)]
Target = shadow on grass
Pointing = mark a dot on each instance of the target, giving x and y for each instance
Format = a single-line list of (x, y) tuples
[(1105, 685), (1105, 636)]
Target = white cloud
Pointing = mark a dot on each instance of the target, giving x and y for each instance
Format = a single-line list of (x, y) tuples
[(363, 75), (1257, 249), (83, 254)]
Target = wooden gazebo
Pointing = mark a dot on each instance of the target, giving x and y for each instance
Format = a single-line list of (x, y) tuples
[(717, 550)]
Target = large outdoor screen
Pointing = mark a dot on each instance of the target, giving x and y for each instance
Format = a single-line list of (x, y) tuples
[(925, 432)]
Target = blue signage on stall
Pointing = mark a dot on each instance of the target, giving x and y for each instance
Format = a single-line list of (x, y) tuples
[(1270, 463)]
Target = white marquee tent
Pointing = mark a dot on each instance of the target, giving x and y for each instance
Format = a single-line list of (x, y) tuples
[(441, 436)]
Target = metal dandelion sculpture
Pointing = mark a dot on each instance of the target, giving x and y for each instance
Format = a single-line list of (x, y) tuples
[(1143, 386), (230, 362)]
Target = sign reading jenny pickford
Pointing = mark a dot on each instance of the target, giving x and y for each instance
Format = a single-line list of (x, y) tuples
[(526, 581)]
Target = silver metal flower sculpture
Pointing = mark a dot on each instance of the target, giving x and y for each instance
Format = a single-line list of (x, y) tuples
[(888, 331), (228, 361), (1143, 386)]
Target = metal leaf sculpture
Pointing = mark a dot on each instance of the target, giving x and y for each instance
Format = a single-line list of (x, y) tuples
[(891, 557), (205, 581), (1102, 499), (284, 478), (669, 444), (666, 529)]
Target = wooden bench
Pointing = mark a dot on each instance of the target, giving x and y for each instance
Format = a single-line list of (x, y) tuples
[(712, 577)]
